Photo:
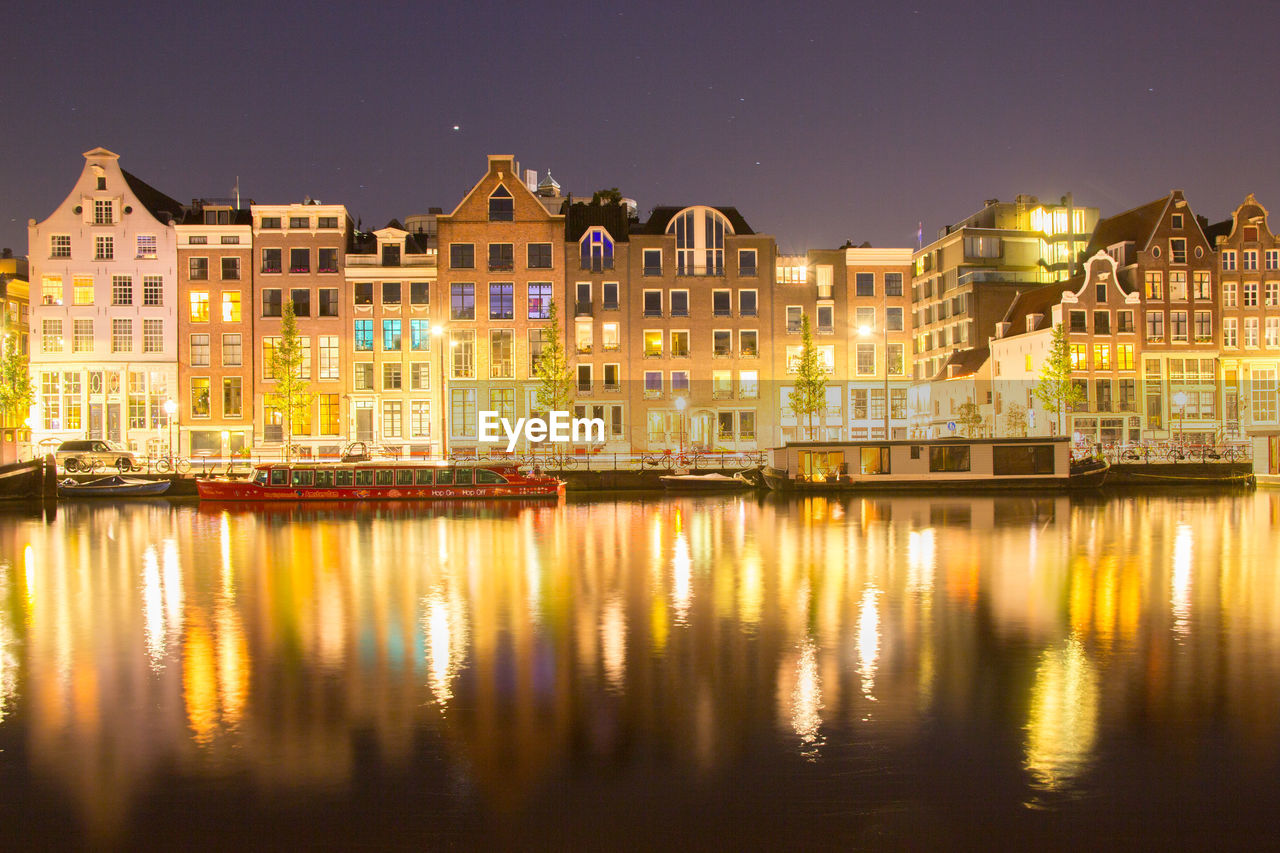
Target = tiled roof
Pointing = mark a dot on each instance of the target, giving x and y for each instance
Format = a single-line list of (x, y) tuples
[(966, 361), (1136, 225), (154, 200), (1038, 301), (581, 216)]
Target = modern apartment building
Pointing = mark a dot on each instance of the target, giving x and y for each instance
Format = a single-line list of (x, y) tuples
[(299, 251), (1249, 267), (394, 358), (965, 280), (701, 281), (1162, 252), (104, 264), (216, 344)]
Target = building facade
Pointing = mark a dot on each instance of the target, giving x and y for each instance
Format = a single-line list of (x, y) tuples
[(104, 265)]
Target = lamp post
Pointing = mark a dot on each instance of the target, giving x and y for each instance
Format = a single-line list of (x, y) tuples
[(681, 403), (438, 333), (1180, 400), (170, 409)]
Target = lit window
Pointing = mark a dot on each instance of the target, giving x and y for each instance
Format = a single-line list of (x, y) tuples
[(699, 233), (231, 306), (199, 306)]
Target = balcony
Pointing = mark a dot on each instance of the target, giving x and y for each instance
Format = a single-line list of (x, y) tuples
[(597, 265), (653, 393), (722, 394), (501, 266), (582, 309)]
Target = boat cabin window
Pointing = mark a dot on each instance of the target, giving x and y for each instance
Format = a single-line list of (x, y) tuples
[(821, 465), (486, 477), (260, 478), (424, 476), (343, 478), (303, 476), (383, 476), (364, 477), (444, 477), (875, 460), (404, 477), (949, 457), (324, 479), (464, 476), (1022, 459), (915, 451), (279, 476)]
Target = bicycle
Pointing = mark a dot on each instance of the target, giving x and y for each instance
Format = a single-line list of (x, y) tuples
[(171, 465)]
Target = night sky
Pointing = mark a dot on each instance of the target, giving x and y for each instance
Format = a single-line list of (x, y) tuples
[(821, 122)]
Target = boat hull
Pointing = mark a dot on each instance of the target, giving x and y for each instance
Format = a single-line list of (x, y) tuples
[(113, 487), (243, 490), (703, 483), (780, 481)]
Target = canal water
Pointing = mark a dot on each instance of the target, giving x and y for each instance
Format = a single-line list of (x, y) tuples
[(727, 672)]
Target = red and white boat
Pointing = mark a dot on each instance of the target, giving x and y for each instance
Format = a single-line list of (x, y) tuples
[(382, 480)]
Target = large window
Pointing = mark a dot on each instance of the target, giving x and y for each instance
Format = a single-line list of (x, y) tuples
[(462, 344), (538, 256), (699, 233), (82, 336), (364, 335), (199, 350), (232, 396), (271, 260), (949, 457), (121, 335), (596, 249), (1009, 460), (231, 306), (539, 300), (232, 350), (501, 304), (271, 302), (501, 257), (299, 260), (462, 301), (501, 354), (199, 306), (329, 358), (502, 208), (391, 335), (153, 336), (462, 412), (200, 403), (462, 256), (865, 284), (121, 290)]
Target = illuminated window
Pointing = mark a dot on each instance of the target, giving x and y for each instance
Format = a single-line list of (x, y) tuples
[(1200, 287), (391, 335), (596, 249), (1155, 288), (1178, 285), (83, 290), (748, 384), (1272, 297), (462, 301), (51, 290), (328, 357), (609, 337), (1251, 332), (233, 396), (199, 396), (748, 343), (462, 343), (1230, 332), (501, 302), (199, 306), (680, 343), (539, 300), (1101, 357), (392, 377), (653, 343), (1124, 356), (1177, 325), (147, 246), (231, 306), (501, 354)]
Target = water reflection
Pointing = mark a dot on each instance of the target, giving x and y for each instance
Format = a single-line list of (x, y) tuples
[(283, 647)]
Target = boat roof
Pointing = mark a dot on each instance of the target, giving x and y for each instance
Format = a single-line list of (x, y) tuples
[(921, 441)]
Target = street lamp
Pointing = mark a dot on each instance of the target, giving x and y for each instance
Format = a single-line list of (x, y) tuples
[(681, 403), (438, 332), (1180, 400), (170, 409)]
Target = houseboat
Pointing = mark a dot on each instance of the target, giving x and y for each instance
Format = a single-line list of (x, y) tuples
[(382, 480), (964, 463)]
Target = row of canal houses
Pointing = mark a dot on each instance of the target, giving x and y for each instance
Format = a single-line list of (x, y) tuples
[(152, 320)]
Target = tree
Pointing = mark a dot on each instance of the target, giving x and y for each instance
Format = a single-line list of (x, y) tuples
[(809, 396), (292, 396), (969, 418), (610, 196), (15, 384), (555, 383), (1056, 389), (1015, 420)]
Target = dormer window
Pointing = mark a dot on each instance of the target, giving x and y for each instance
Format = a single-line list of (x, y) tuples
[(597, 250), (502, 207), (699, 233), (100, 177), (391, 254), (1176, 220)]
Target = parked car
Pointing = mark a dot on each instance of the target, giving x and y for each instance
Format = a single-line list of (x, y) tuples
[(94, 454)]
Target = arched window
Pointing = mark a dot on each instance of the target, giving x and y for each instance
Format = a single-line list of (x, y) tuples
[(502, 207), (699, 233), (597, 250)]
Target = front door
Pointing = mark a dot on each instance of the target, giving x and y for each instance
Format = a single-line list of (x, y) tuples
[(364, 423), (113, 422), (95, 420)]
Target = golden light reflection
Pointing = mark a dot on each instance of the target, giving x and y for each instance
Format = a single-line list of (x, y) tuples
[(1063, 726), (153, 608), (1181, 595), (446, 644), (921, 557), (750, 588), (613, 642), (868, 640), (199, 680), (681, 578), (806, 701), (8, 647)]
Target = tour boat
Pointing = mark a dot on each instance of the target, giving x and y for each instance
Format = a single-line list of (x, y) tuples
[(380, 480), (953, 463)]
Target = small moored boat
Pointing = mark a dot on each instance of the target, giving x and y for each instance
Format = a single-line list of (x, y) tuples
[(713, 482), (114, 486), (380, 480)]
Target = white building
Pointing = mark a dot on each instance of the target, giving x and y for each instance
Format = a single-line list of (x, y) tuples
[(103, 310)]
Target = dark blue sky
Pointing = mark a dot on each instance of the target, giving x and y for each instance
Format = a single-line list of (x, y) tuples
[(819, 121)]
